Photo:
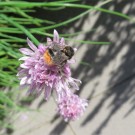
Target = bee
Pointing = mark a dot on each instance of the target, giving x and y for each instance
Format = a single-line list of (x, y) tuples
[(58, 55)]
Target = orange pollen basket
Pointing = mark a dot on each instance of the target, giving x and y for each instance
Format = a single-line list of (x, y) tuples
[(48, 58)]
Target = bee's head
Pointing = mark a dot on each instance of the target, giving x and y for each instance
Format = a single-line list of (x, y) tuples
[(68, 51)]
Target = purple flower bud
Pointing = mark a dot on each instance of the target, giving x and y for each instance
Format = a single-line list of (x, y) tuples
[(71, 107)]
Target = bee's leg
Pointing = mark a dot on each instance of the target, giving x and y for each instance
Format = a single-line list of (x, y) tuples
[(59, 70), (60, 67)]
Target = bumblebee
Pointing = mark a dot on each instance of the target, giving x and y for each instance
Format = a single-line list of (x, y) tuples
[(58, 55)]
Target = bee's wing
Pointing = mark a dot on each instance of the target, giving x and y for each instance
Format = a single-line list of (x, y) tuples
[(60, 58), (57, 47)]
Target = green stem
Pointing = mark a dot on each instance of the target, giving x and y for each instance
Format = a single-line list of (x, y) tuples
[(57, 4), (72, 19), (22, 28)]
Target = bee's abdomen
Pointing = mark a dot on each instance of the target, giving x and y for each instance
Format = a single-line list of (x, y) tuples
[(48, 58)]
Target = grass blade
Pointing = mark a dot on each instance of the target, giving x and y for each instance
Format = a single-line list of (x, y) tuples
[(22, 28)]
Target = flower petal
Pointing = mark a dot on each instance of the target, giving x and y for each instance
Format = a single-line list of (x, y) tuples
[(47, 92), (23, 80), (73, 82), (32, 88), (62, 41), (29, 81), (42, 48), (49, 41), (67, 70), (26, 51), (77, 80), (56, 37), (74, 85), (23, 66), (71, 61), (75, 49), (24, 58), (22, 72), (31, 45)]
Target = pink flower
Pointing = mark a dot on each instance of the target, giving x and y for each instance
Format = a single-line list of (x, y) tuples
[(37, 73), (71, 107)]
